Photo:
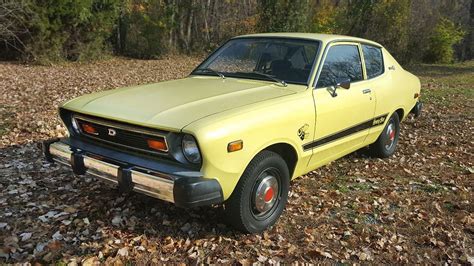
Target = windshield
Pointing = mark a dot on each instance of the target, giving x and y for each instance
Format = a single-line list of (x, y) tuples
[(273, 59)]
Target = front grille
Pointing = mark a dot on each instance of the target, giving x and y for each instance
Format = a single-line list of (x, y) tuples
[(119, 134)]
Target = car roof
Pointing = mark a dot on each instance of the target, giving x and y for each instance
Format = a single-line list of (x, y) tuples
[(325, 38)]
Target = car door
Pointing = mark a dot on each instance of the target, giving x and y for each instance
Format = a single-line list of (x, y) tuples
[(343, 116)]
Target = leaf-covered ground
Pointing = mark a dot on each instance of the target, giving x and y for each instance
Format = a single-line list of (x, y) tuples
[(416, 207)]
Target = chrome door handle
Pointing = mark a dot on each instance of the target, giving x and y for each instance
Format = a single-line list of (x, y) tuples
[(366, 91)]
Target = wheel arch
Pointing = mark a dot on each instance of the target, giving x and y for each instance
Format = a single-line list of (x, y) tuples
[(287, 152), (400, 112)]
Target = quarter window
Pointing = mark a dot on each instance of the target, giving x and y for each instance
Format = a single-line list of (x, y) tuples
[(373, 61), (342, 62)]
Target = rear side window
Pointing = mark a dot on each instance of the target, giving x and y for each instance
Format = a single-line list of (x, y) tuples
[(342, 62), (373, 61)]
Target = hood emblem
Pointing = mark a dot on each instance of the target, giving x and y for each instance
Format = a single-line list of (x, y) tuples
[(112, 132)]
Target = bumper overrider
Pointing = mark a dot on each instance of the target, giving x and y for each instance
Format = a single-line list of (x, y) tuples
[(159, 179)]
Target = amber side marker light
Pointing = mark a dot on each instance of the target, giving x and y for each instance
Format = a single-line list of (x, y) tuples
[(416, 95), (89, 129), (157, 144), (235, 146)]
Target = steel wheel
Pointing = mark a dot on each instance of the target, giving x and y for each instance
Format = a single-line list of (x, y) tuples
[(266, 194), (390, 132), (386, 143), (260, 195)]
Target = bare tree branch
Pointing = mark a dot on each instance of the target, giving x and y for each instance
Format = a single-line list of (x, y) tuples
[(14, 15)]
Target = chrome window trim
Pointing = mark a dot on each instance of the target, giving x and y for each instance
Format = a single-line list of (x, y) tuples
[(326, 49), (383, 60), (323, 59), (122, 127)]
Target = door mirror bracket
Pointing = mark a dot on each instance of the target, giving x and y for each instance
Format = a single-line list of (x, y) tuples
[(332, 91), (340, 83)]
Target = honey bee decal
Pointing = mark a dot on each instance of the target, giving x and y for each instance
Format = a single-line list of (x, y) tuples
[(302, 131)]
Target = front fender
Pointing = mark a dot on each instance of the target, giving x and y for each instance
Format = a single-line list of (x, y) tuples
[(258, 126)]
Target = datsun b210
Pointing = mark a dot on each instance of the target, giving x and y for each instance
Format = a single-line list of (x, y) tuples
[(260, 111)]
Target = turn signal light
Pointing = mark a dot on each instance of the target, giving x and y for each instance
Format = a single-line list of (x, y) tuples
[(89, 129), (235, 146), (157, 144)]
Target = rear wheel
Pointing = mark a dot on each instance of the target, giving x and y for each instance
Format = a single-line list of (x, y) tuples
[(260, 195), (387, 142)]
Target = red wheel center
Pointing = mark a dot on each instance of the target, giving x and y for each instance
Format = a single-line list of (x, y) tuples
[(269, 194), (392, 134)]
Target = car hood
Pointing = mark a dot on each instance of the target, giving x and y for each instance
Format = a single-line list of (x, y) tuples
[(172, 105)]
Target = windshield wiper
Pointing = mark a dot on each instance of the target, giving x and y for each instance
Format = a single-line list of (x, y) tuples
[(282, 82), (211, 70)]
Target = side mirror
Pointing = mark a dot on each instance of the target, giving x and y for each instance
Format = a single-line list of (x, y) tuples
[(343, 83)]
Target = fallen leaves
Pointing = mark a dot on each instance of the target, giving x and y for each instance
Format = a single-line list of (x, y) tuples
[(411, 208), (31, 94), (25, 236)]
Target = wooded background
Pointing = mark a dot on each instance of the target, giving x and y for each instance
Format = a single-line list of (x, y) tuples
[(48, 31)]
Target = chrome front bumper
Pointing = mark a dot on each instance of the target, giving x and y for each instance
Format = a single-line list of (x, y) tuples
[(129, 172), (154, 184)]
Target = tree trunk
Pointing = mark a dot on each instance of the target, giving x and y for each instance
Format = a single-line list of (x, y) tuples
[(469, 51), (206, 25), (189, 27)]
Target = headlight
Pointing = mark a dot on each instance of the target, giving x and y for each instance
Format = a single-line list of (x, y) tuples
[(75, 126), (190, 149)]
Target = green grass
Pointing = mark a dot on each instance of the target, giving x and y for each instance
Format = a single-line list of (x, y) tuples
[(346, 184), (446, 84), (5, 119), (449, 206), (361, 186), (432, 188), (447, 96)]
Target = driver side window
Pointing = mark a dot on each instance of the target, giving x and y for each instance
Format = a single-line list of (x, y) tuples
[(342, 62)]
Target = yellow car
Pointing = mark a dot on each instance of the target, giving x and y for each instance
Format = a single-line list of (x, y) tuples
[(259, 111)]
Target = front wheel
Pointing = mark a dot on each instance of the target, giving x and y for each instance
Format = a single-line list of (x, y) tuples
[(387, 141), (260, 195)]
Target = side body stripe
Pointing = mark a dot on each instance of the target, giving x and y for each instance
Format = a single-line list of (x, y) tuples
[(377, 121)]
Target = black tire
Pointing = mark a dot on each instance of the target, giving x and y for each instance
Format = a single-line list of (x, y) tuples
[(241, 209), (385, 146)]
